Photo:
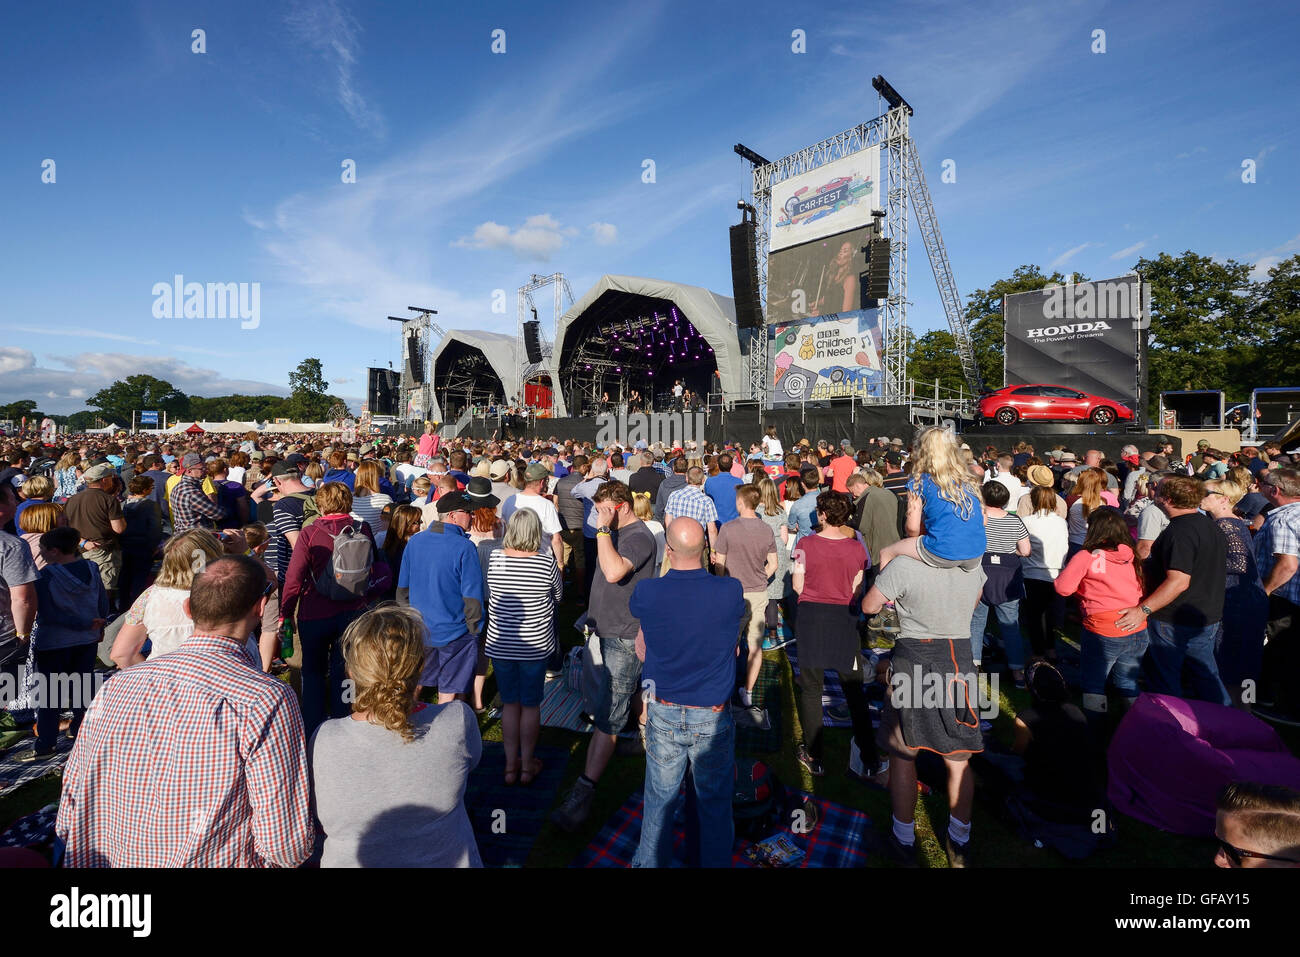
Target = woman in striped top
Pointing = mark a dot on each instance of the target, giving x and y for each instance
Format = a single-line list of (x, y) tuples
[(367, 501), (523, 589)]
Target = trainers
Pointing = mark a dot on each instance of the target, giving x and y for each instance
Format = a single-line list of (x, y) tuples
[(575, 808), (813, 766), (838, 712), (905, 854), (958, 854), (889, 621), (32, 756)]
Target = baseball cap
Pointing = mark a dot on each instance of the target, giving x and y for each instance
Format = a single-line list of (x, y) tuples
[(191, 460), (295, 459), (499, 470), (283, 468), (455, 502), (97, 473), (1068, 457), (535, 472), (895, 441), (257, 456), (894, 457), (1203, 444)]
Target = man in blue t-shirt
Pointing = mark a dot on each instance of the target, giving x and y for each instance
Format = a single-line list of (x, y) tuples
[(442, 579), (688, 639), (722, 489)]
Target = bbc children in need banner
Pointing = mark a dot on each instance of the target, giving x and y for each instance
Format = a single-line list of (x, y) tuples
[(827, 357)]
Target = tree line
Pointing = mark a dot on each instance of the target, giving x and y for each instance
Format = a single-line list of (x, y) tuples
[(308, 401), (1212, 327)]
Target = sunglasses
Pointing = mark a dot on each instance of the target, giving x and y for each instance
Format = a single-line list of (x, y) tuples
[(1236, 854)]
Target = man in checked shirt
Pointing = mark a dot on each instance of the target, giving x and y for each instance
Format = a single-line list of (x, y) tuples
[(195, 758)]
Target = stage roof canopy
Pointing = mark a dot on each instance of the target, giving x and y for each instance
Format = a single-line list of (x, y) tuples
[(501, 351), (712, 315)]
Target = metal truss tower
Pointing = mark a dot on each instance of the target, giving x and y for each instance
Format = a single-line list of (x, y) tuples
[(903, 180), (527, 308), (422, 328)]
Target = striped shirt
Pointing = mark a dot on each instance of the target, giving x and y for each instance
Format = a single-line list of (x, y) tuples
[(369, 508), (1003, 534), (522, 594), (191, 759)]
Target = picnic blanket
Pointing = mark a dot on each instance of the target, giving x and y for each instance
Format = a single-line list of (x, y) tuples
[(842, 837), (14, 774), (832, 695), (35, 830), (507, 820)]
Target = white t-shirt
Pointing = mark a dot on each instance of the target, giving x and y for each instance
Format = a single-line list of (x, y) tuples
[(235, 474), (772, 446), (1014, 487), (657, 530), (545, 510), (1049, 540)]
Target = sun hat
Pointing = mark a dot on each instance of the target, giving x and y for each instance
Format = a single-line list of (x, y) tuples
[(1041, 475)]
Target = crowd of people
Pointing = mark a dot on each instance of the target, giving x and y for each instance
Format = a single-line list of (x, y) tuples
[(274, 607)]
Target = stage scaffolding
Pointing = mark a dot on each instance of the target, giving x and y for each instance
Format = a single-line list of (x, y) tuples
[(905, 183)]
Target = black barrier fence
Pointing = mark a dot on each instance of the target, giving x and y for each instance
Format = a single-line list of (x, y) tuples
[(744, 425), (1078, 442)]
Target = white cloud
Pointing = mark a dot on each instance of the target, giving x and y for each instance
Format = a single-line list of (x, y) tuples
[(1266, 259), (604, 234), (13, 359), (1130, 250), (1069, 254), (538, 238), (327, 28), (1189, 154)]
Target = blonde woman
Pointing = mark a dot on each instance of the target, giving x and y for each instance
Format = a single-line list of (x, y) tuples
[(158, 615), (1090, 494), (42, 517), (38, 488), (644, 510), (67, 476), (389, 780), (367, 501), (313, 474), (779, 589), (945, 520)]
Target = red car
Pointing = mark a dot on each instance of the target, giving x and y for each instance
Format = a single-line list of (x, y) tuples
[(1044, 403)]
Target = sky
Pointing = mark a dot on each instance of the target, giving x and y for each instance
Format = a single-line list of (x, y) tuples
[(475, 169)]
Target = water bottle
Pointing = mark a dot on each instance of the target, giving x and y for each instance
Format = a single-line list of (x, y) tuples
[(286, 641)]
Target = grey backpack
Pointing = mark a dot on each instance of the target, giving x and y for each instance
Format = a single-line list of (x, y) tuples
[(346, 576)]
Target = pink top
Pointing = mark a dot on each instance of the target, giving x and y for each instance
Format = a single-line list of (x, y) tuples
[(1106, 581)]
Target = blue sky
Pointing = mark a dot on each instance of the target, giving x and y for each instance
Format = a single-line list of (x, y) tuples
[(474, 169)]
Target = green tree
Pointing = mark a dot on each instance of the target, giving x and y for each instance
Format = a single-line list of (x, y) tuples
[(1201, 336), (1276, 320), (308, 401), (16, 410), (80, 421), (934, 356), (140, 393), (984, 314)]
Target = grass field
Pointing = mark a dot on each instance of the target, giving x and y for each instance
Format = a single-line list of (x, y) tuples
[(1139, 845)]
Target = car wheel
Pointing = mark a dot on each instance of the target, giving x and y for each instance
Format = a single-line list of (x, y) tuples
[(1103, 416), (1006, 416)]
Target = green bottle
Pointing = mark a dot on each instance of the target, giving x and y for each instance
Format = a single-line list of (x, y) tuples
[(286, 641)]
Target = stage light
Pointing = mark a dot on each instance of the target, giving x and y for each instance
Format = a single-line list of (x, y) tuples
[(618, 368), (891, 96)]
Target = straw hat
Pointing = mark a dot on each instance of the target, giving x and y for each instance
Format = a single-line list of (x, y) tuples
[(1041, 476)]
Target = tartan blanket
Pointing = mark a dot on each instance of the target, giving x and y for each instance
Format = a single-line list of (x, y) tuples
[(842, 837), (15, 775), (507, 820), (832, 694)]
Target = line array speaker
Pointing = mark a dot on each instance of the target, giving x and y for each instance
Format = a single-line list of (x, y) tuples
[(744, 275)]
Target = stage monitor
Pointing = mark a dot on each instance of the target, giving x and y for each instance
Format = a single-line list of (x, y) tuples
[(1088, 336), (834, 356), (832, 198), (414, 361), (818, 278), (382, 392)]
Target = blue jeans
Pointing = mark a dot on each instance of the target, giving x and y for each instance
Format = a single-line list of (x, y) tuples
[(1008, 616), (1119, 659), (1171, 645), (706, 740)]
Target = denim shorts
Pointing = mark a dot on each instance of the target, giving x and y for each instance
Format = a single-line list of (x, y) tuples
[(520, 682), (450, 667), (620, 676)]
